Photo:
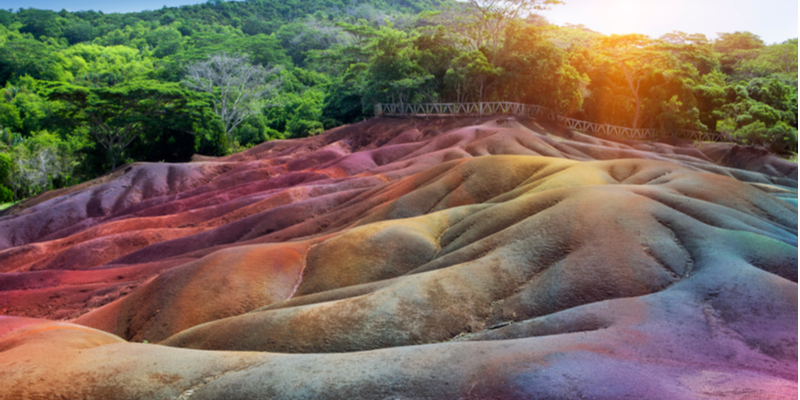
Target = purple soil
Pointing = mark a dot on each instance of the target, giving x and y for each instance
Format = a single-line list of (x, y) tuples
[(408, 258)]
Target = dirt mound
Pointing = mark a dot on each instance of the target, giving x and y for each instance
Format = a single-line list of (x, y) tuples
[(439, 258), (750, 158)]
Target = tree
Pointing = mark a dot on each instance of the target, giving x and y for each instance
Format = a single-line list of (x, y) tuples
[(297, 114), (691, 49), (393, 74), (762, 112), (79, 31), (165, 41), (635, 58), (737, 47), (238, 87), (6, 165), (39, 163), (36, 169), (300, 37), (711, 96), (779, 60), (469, 76), (536, 71), (40, 23), (115, 116), (342, 103), (728, 43), (480, 23), (23, 56)]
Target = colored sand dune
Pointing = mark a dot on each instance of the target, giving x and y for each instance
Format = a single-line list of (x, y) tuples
[(409, 258)]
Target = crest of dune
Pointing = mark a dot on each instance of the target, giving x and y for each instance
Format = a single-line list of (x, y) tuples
[(411, 258)]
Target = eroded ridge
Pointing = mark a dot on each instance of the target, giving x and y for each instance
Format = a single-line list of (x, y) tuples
[(441, 258)]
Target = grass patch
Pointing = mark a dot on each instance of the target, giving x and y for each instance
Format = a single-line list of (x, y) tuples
[(3, 206)]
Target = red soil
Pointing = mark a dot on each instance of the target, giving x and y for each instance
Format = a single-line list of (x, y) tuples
[(671, 268)]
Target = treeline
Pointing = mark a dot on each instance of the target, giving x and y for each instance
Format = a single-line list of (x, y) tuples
[(68, 77)]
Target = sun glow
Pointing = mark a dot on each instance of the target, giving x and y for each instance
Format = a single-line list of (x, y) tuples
[(773, 20), (625, 16)]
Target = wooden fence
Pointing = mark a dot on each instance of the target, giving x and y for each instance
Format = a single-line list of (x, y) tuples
[(530, 110)]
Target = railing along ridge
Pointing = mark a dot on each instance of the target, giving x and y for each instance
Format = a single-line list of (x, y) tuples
[(532, 110)]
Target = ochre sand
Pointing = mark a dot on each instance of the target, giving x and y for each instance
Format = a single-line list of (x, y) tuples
[(409, 258)]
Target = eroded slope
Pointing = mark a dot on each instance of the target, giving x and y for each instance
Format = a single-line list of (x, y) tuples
[(412, 258)]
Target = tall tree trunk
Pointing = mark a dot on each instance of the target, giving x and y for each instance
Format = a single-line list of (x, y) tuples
[(633, 85)]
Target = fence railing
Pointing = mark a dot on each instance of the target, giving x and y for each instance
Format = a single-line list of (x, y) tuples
[(532, 110)]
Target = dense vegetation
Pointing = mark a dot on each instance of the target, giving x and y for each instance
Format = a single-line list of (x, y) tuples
[(83, 92)]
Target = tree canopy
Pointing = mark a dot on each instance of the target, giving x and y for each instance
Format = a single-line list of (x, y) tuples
[(116, 115)]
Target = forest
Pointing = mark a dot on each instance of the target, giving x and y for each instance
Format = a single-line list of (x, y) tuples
[(85, 92)]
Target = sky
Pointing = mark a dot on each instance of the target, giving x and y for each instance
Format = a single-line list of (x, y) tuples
[(773, 20), (97, 5)]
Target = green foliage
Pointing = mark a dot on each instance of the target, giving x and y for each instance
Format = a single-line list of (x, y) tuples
[(298, 115), (166, 41), (42, 162), (39, 23), (342, 103), (710, 94), (23, 55), (79, 32), (735, 48), (538, 72), (394, 75), (762, 112), (255, 130), (172, 134), (9, 139), (470, 76), (779, 137), (6, 196), (778, 60), (115, 116), (6, 165), (210, 137), (300, 37), (694, 51), (6, 169)]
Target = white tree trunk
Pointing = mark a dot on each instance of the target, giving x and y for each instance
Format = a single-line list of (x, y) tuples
[(238, 87)]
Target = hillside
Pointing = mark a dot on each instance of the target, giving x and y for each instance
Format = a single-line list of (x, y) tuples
[(411, 258)]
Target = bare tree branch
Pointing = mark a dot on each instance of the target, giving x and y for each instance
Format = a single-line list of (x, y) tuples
[(479, 24), (238, 87)]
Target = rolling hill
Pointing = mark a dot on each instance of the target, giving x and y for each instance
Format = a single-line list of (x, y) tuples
[(411, 258)]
